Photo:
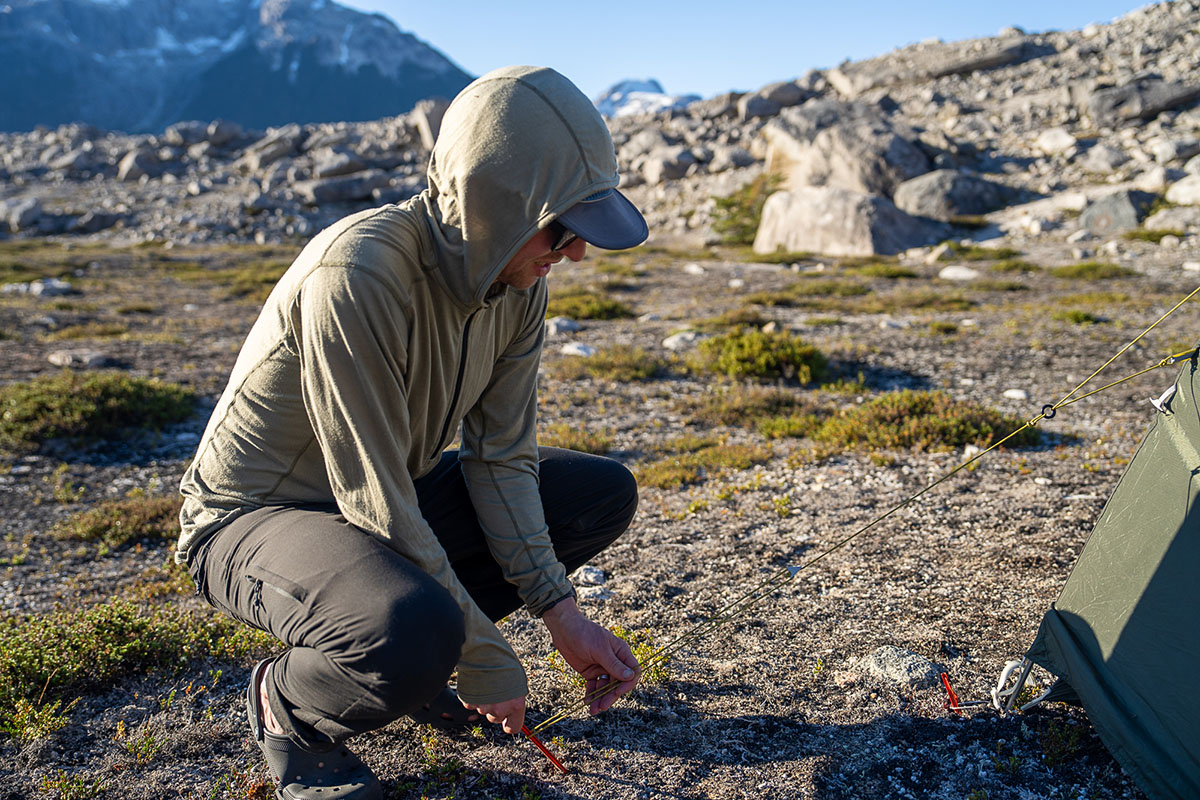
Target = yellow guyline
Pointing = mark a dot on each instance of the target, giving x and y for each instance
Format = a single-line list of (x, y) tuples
[(765, 588)]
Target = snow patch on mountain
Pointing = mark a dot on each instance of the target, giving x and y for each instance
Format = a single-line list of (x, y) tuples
[(640, 97)]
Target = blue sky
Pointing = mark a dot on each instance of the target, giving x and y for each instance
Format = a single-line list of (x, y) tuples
[(706, 47)]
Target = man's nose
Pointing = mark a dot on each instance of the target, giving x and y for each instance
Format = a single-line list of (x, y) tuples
[(576, 250)]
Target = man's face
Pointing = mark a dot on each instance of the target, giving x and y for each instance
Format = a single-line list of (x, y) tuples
[(534, 258)]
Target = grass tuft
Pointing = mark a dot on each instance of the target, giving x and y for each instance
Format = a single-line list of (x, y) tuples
[(576, 437), (737, 217), (118, 522), (620, 363), (1091, 271), (920, 420), (758, 354), (92, 406), (586, 304), (1154, 237), (45, 658)]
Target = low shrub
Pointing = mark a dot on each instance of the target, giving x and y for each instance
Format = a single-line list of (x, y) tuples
[(883, 269), (586, 304), (576, 437), (619, 363), (47, 657), (920, 420), (92, 406), (1091, 271), (758, 354), (1075, 316), (741, 405), (695, 465), (115, 523), (1014, 265), (970, 252), (737, 217), (1154, 237)]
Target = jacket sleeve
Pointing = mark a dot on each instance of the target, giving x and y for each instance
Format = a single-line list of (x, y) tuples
[(351, 334), (499, 458)]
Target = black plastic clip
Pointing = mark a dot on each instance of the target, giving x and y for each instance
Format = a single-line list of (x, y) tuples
[(1048, 411)]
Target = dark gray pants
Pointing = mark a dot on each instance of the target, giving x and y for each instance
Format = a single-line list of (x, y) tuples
[(371, 637)]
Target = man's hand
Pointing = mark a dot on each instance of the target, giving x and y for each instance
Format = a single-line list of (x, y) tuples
[(510, 714), (593, 651)]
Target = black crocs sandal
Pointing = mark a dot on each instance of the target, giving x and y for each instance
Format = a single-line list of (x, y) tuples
[(304, 775), (446, 713)]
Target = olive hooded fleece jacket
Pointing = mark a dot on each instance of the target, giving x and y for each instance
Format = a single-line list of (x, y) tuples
[(388, 332)]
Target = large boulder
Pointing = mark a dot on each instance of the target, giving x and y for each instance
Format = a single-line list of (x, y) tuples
[(342, 189), (929, 60), (846, 145), (1180, 218), (277, 144), (839, 222), (946, 193), (1142, 99), (1115, 213), (329, 163), (667, 164)]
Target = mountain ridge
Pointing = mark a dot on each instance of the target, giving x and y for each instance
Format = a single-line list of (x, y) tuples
[(140, 65)]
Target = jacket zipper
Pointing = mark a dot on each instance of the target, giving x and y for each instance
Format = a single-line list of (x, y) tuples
[(458, 381)]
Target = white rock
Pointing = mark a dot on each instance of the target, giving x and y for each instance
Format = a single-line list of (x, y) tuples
[(958, 272), (736, 283), (50, 287), (1169, 241), (684, 340), (1191, 266), (892, 324), (650, 316), (1043, 481), (578, 349), (1016, 394), (1054, 141), (692, 268), (1112, 248), (1080, 253), (1185, 192), (1079, 236), (966, 381), (596, 594), (587, 575), (556, 326), (901, 666)]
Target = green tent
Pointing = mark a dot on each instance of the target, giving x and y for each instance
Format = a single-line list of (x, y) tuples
[(1123, 637)]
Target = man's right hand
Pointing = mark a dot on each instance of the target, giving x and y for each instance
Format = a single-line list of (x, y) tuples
[(509, 714)]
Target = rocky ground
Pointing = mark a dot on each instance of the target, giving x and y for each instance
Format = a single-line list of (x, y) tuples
[(158, 279)]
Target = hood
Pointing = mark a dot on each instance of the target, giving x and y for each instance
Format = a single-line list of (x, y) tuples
[(517, 147)]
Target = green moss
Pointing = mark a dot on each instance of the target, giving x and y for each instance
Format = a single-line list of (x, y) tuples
[(1014, 265), (737, 217), (922, 299), (92, 406), (943, 327), (1075, 316), (118, 522), (882, 269), (809, 293), (1091, 271), (694, 466), (586, 304), (741, 405), (576, 437), (87, 330), (919, 420), (736, 318), (1154, 237), (619, 363), (964, 252), (758, 354), (1000, 286), (47, 658)]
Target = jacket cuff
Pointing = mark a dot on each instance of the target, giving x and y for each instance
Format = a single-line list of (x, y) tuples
[(568, 596)]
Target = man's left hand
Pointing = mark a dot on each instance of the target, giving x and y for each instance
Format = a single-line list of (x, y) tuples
[(593, 651)]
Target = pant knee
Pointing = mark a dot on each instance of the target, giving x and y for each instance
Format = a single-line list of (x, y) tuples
[(417, 647)]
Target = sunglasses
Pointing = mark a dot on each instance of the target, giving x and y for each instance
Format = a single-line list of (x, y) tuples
[(562, 237)]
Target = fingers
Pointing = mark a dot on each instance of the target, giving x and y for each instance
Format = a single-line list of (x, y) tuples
[(510, 714)]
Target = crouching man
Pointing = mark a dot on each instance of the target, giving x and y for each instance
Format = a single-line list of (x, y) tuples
[(322, 505)]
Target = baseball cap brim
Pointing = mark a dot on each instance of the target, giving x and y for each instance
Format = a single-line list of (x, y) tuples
[(607, 220)]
